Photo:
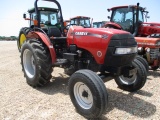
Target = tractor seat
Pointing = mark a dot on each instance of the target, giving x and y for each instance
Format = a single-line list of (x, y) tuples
[(47, 23), (55, 34), (54, 31)]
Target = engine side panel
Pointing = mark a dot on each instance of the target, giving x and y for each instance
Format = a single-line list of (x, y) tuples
[(94, 40)]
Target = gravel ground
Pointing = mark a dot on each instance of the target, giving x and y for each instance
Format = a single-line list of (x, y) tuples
[(19, 101)]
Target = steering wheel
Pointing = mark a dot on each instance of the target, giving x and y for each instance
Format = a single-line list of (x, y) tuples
[(128, 21)]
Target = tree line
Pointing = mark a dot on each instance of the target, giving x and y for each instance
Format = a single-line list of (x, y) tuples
[(8, 38)]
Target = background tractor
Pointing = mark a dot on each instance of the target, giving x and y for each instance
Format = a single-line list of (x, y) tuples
[(87, 54), (81, 21), (99, 24), (78, 21), (131, 18)]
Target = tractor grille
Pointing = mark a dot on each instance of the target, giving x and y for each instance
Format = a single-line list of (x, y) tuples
[(154, 53), (120, 41)]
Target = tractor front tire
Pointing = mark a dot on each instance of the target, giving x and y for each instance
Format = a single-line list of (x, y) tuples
[(143, 61), (134, 82), (22, 37), (88, 93), (36, 62)]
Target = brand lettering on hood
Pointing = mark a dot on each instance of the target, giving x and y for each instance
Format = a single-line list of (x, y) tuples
[(90, 34), (81, 33)]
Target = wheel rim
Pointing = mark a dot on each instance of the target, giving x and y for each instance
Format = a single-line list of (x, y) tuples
[(22, 39), (83, 95), (28, 63), (128, 80)]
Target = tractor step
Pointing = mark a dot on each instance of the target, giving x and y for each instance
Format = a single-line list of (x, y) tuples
[(60, 62), (70, 56)]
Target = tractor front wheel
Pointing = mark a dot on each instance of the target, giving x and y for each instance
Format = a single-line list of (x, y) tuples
[(36, 62), (134, 82), (143, 61), (88, 93)]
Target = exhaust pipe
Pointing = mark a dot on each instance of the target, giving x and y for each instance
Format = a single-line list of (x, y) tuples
[(137, 21)]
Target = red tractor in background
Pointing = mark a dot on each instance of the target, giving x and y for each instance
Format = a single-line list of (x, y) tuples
[(110, 53), (81, 21), (99, 24), (86, 22), (78, 21), (131, 18)]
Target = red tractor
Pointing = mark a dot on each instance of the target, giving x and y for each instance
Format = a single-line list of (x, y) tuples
[(78, 21), (131, 18), (99, 24), (109, 53), (81, 21)]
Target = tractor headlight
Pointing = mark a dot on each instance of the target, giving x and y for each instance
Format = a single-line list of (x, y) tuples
[(126, 50)]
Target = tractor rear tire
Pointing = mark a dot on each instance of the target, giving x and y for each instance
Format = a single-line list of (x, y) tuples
[(22, 37), (88, 93), (134, 82), (36, 62), (143, 61)]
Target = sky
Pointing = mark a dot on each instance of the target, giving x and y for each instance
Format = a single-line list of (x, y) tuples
[(11, 11)]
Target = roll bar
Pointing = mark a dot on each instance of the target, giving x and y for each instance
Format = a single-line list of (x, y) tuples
[(59, 8), (137, 21)]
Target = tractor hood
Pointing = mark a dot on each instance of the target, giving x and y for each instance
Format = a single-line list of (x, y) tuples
[(97, 40), (106, 31), (97, 32), (87, 34)]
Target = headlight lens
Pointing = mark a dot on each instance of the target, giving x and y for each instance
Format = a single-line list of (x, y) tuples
[(126, 50)]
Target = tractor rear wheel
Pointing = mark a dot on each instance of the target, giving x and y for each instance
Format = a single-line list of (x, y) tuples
[(22, 37), (134, 82), (88, 93), (36, 62)]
